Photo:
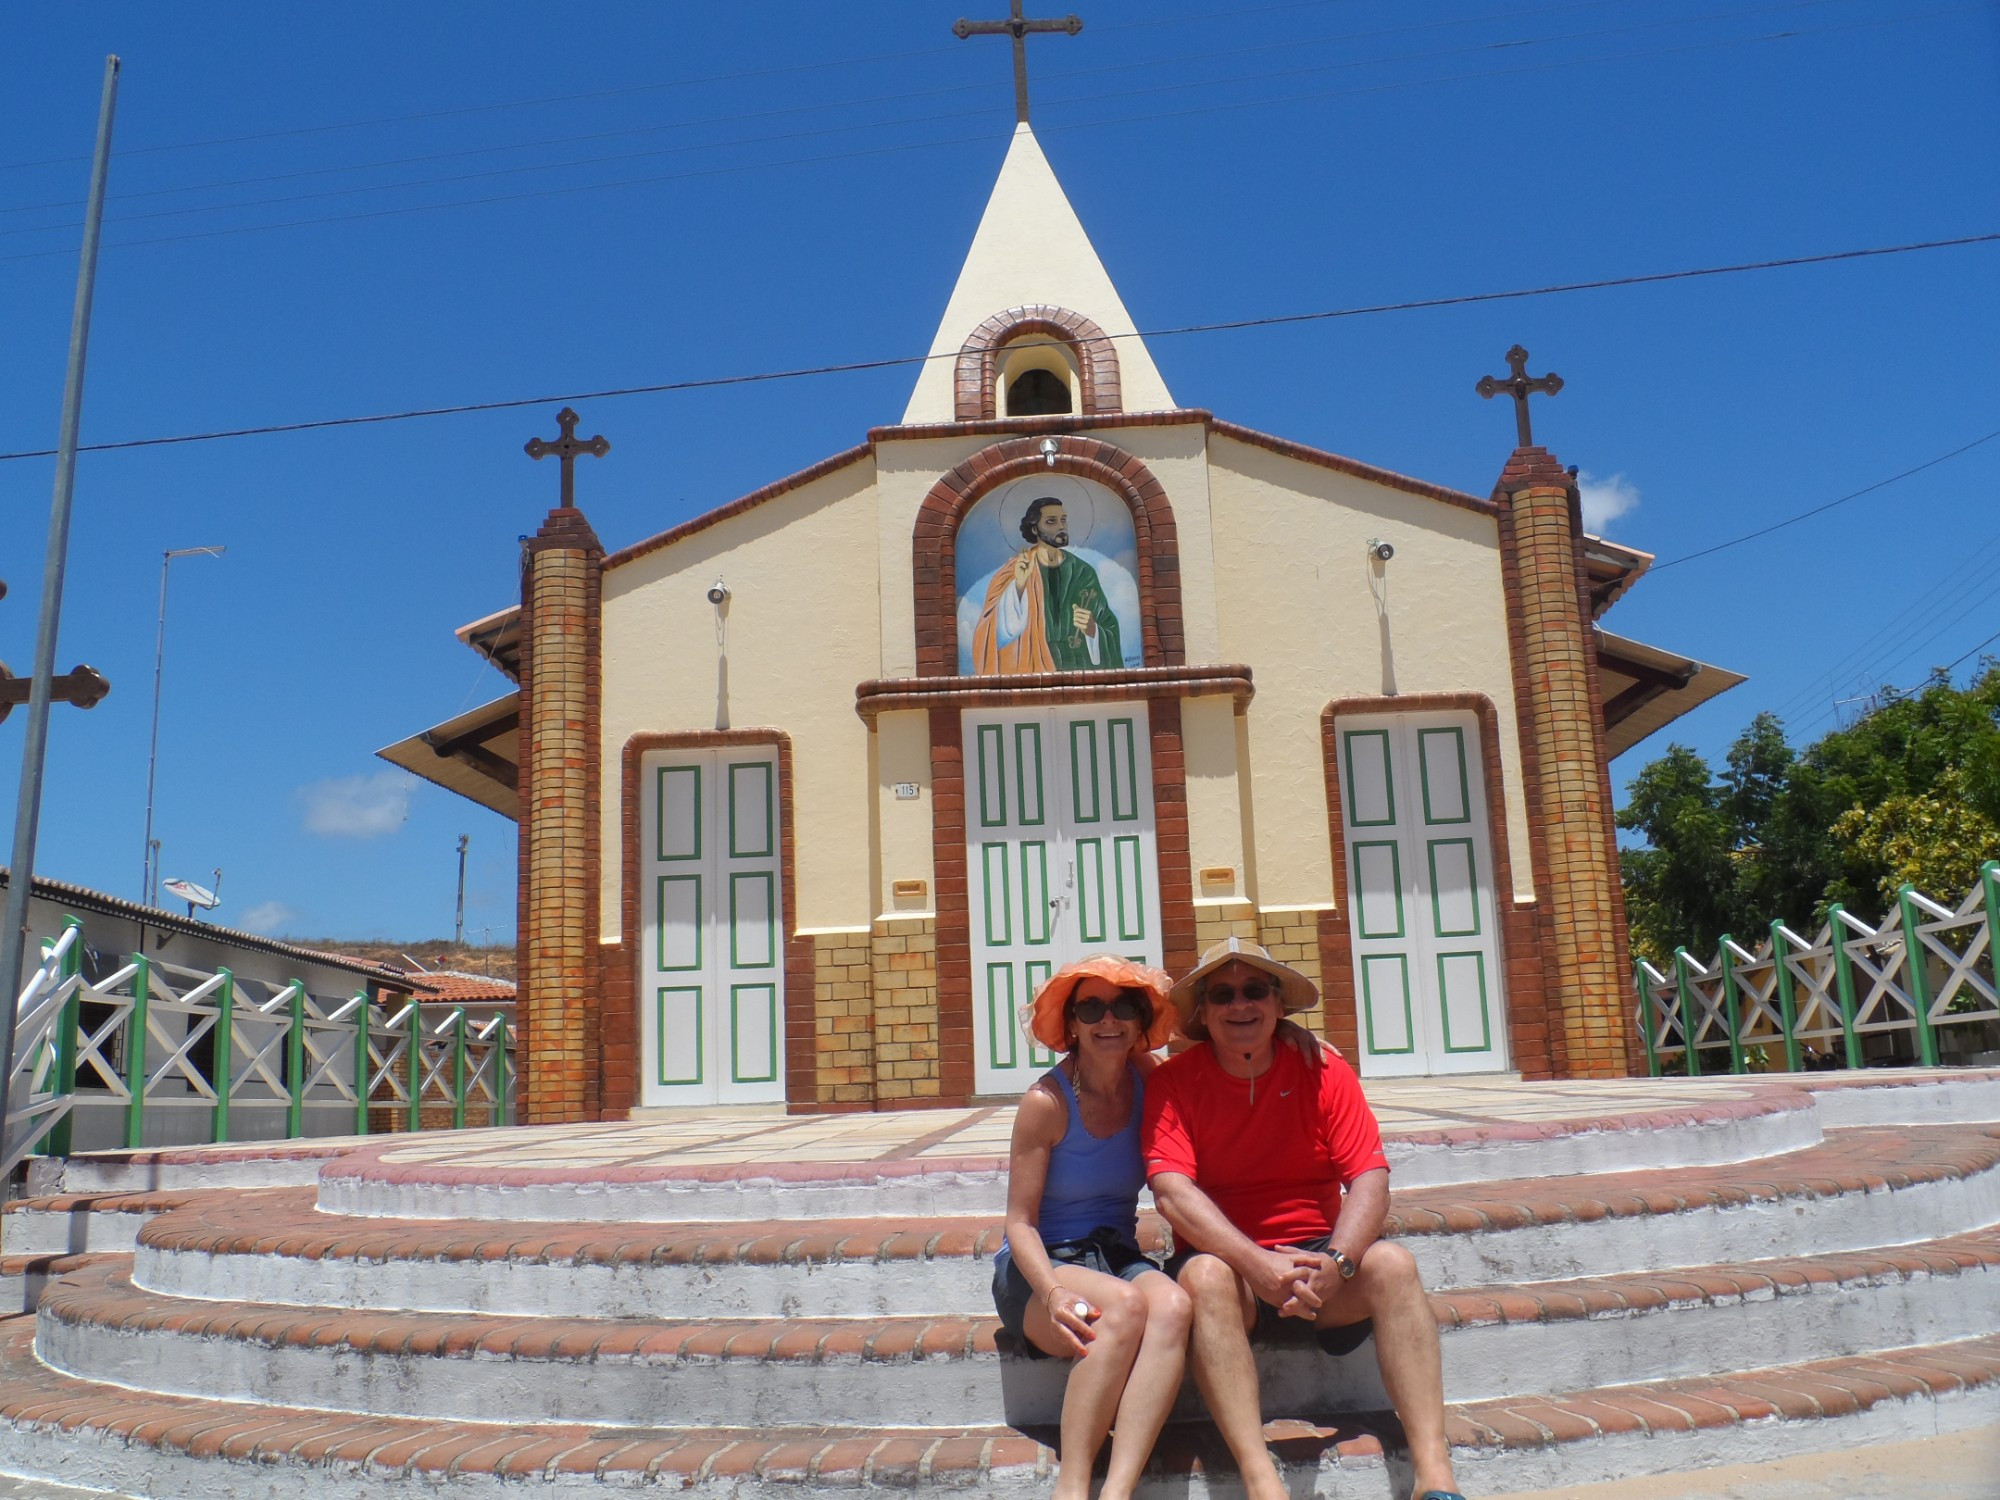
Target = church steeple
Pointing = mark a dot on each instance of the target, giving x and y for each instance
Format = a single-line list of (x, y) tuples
[(1032, 250)]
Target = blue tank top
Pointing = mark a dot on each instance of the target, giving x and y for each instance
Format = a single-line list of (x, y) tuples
[(1093, 1183)]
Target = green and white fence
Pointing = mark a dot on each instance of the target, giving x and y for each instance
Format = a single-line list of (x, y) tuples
[(263, 1061), (1920, 988)]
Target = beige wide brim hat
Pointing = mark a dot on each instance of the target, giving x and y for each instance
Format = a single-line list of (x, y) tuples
[(1295, 991)]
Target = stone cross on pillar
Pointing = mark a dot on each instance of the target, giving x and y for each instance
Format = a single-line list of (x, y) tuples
[(1520, 387), (566, 448), (1018, 28)]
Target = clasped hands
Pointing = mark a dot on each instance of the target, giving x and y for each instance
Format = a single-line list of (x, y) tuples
[(1296, 1282)]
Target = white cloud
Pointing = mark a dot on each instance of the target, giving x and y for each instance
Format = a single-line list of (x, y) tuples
[(266, 918), (358, 807), (1604, 500)]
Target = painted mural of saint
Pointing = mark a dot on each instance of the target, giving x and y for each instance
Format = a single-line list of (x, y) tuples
[(1046, 611)]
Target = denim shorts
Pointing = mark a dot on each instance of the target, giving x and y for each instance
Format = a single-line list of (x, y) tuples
[(1270, 1328), (1104, 1250)]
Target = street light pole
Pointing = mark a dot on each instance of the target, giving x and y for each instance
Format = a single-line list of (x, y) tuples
[(149, 889), (458, 931), (28, 810)]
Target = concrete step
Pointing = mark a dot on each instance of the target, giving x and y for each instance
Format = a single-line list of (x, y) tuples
[(1708, 1123), (90, 1433), (170, 1168), (74, 1223), (23, 1278), (1499, 1342), (1863, 1188)]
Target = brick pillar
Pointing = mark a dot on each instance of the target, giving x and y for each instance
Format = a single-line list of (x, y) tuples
[(558, 1012), (1569, 789)]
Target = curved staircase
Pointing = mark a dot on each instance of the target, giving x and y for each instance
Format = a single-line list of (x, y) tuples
[(1817, 1266)]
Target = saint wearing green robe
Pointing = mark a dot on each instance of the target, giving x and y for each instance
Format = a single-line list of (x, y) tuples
[(1046, 610)]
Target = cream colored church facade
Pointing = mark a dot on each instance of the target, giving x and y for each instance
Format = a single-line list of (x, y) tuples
[(813, 789)]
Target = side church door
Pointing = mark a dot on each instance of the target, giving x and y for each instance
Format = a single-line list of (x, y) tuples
[(1420, 897), (711, 971), (1061, 862)]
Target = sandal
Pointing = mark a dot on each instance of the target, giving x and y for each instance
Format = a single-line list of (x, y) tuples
[(1439, 1495)]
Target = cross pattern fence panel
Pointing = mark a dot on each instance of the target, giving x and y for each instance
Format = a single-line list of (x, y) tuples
[(162, 1054), (1920, 988)]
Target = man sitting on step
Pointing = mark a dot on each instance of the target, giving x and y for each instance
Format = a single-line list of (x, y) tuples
[(1247, 1151)]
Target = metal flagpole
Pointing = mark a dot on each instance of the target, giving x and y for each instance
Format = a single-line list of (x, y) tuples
[(27, 814)]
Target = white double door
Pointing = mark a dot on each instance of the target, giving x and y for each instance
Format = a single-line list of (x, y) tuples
[(1061, 861), (1420, 905), (711, 971)]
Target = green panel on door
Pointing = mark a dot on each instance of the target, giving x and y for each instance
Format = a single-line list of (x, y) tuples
[(1454, 888), (1468, 1025), (992, 768), (1371, 782), (1090, 890), (1037, 928), (1385, 1004), (678, 1030), (677, 923), (1130, 870), (993, 884), (1002, 1026), (1083, 769), (1037, 971), (677, 813), (753, 927), (1028, 774), (1441, 761), (1377, 892), (753, 1033), (1124, 771), (750, 820)]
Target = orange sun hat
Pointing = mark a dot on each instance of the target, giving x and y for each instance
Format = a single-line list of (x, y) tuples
[(1042, 1018)]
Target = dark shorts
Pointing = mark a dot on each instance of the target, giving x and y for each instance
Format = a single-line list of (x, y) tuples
[(1270, 1328), (1103, 1250)]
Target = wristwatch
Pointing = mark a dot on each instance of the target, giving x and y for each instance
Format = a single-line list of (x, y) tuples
[(1342, 1264)]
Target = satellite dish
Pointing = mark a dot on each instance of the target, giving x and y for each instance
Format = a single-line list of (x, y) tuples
[(194, 895)]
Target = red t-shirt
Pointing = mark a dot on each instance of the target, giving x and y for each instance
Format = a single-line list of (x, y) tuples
[(1273, 1167)]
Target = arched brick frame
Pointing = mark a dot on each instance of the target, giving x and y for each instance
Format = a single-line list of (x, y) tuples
[(936, 533), (1096, 359), (1528, 1019)]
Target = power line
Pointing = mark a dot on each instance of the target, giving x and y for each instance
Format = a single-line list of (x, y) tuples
[(1273, 321), (1806, 515)]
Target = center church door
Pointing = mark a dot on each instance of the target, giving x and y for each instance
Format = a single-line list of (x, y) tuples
[(1061, 862), (711, 892)]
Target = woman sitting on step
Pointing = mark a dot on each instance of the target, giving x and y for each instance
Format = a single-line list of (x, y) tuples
[(1071, 1281)]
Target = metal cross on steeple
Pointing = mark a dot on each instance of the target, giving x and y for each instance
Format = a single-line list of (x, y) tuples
[(1018, 28), (566, 448), (1519, 386)]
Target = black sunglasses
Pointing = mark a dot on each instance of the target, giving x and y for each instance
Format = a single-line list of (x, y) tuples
[(1127, 1007), (1228, 994)]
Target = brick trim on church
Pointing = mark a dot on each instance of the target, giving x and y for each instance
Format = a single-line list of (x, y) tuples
[(976, 399), (619, 965), (1528, 1019), (935, 535)]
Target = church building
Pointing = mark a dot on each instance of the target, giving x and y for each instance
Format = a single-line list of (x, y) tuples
[(1085, 669)]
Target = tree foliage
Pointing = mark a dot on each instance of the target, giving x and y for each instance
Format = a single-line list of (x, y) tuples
[(1909, 792)]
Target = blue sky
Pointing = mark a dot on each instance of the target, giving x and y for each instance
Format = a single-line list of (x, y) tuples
[(330, 211)]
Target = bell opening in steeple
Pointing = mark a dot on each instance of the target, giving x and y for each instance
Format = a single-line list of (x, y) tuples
[(1035, 378)]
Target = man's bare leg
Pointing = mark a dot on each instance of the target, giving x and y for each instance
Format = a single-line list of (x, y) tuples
[(1226, 1372), (1388, 1289)]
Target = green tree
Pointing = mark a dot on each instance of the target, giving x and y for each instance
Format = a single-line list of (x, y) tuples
[(1909, 792)]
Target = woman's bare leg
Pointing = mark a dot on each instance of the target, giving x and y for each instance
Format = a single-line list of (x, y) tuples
[(1097, 1380), (1153, 1384)]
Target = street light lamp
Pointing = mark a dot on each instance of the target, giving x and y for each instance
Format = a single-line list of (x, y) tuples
[(149, 891)]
